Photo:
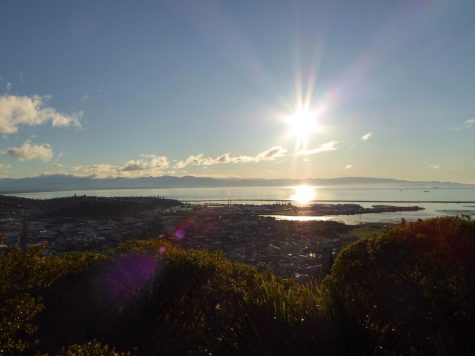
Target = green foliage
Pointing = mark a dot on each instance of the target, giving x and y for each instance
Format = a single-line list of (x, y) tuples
[(91, 348), (201, 302), (285, 318), (24, 275), (409, 290)]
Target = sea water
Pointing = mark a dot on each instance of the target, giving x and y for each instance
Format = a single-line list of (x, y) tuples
[(435, 201)]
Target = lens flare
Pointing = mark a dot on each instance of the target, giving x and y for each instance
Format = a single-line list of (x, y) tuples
[(128, 275)]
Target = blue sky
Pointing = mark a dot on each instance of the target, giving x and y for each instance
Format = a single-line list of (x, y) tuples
[(140, 88)]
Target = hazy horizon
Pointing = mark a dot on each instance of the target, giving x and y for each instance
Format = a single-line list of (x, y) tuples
[(212, 177), (154, 186)]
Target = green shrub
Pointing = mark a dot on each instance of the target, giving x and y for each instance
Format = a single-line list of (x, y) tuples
[(409, 290), (202, 302), (25, 274), (91, 348)]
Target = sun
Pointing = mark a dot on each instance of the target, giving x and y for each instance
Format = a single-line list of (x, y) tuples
[(302, 125), (303, 194)]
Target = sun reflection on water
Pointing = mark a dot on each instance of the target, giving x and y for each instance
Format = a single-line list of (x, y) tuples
[(303, 194)]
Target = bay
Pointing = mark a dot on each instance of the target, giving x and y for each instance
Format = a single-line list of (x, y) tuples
[(435, 201)]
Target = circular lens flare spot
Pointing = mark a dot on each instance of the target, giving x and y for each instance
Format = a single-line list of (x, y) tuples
[(180, 234)]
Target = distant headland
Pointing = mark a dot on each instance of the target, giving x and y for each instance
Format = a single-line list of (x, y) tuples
[(50, 183)]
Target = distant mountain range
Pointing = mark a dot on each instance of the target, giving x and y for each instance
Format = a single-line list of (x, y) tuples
[(49, 183)]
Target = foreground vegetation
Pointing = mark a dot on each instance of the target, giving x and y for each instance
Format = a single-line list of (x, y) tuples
[(408, 290)]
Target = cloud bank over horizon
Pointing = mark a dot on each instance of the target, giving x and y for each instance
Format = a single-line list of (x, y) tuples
[(200, 160), (152, 165), (155, 165)]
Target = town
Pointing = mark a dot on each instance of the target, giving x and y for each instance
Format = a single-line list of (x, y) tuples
[(299, 249)]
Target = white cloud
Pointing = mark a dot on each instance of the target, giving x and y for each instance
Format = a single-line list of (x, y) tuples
[(155, 162), (435, 166), (100, 170), (8, 86), (348, 166), (200, 160), (160, 162), (271, 154), (29, 151), (224, 158), (367, 136), (31, 111), (148, 165), (467, 124), (470, 123), (195, 160), (156, 165), (329, 146), (135, 165)]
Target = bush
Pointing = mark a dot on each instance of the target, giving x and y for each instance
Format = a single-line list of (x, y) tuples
[(91, 348), (409, 290), (25, 274), (225, 307)]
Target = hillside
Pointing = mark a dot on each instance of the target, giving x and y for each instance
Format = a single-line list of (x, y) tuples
[(81, 206), (408, 290)]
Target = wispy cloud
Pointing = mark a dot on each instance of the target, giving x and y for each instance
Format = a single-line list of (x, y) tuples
[(156, 165), (348, 166), (470, 123), (467, 124), (195, 160), (30, 151), (430, 165), (367, 136), (329, 146), (200, 160), (268, 155), (99, 170), (31, 111), (8, 86), (147, 166), (135, 165), (155, 162)]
